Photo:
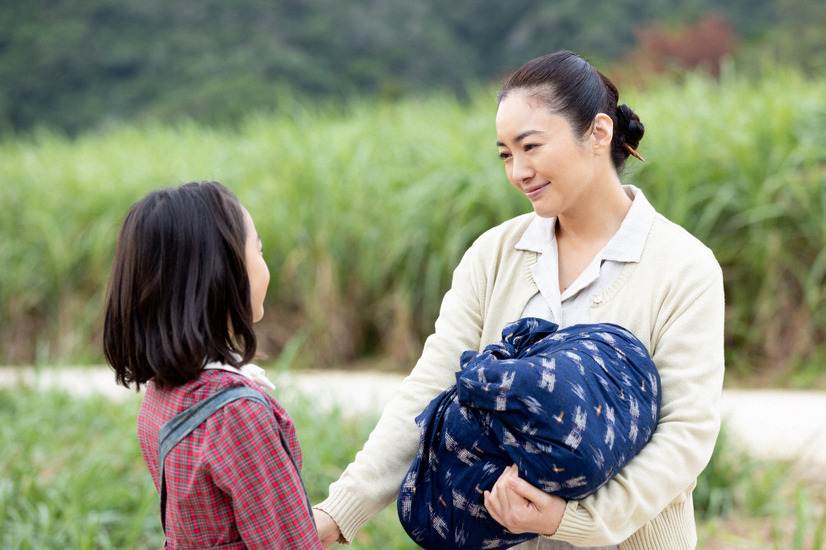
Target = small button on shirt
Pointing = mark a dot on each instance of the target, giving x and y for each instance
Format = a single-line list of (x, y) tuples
[(573, 305)]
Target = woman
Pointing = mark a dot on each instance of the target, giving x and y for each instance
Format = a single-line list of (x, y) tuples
[(593, 251)]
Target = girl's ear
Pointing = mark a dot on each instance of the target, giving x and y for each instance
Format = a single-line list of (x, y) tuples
[(602, 134)]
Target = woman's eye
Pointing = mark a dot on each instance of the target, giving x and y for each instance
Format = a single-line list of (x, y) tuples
[(504, 156), (529, 146)]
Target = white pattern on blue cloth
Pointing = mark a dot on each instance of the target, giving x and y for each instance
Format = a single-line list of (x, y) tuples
[(564, 405)]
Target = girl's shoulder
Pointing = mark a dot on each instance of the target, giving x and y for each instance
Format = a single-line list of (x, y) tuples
[(218, 380), (211, 381), (243, 412)]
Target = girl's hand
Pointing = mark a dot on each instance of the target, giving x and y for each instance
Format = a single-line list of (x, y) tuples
[(328, 531), (522, 508)]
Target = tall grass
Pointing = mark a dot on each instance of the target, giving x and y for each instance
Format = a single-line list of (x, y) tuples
[(363, 215), (70, 476), (741, 164), (364, 211)]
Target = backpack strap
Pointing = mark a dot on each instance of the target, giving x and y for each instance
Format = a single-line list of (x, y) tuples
[(181, 425)]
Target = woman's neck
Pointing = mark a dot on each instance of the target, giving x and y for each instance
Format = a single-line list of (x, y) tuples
[(599, 217), (581, 237)]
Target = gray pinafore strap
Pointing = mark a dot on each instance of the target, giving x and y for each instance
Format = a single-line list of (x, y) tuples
[(181, 425)]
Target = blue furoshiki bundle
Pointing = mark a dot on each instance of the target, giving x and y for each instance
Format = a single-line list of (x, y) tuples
[(569, 407)]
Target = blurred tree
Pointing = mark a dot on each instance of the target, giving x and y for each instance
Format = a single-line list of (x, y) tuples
[(800, 39), (703, 44), (75, 64)]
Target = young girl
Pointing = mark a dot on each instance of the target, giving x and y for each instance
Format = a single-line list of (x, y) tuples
[(187, 283)]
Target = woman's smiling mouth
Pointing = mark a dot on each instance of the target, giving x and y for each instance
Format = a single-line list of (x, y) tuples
[(534, 190)]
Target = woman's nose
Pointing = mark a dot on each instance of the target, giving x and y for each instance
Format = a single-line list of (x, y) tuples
[(521, 170)]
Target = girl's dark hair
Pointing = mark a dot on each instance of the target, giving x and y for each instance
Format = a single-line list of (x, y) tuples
[(179, 294), (572, 88)]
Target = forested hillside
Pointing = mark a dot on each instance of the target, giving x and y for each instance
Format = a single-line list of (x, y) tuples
[(77, 64)]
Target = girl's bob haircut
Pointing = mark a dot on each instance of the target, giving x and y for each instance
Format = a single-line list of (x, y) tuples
[(179, 295)]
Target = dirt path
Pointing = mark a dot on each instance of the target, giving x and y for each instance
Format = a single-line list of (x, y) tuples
[(780, 424), (771, 423)]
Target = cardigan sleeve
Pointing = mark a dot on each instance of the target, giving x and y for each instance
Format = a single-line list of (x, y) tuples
[(684, 321), (372, 480)]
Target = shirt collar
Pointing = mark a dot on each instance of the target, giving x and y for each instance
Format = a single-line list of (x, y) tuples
[(625, 246), (253, 372)]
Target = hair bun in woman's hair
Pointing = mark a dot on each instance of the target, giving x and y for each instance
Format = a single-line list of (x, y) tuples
[(630, 127), (629, 130)]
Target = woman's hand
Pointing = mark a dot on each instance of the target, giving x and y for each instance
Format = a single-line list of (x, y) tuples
[(328, 531), (522, 508)]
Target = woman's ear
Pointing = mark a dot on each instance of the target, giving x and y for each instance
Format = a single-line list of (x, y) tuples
[(602, 133)]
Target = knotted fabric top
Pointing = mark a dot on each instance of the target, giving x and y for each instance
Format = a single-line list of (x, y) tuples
[(569, 407)]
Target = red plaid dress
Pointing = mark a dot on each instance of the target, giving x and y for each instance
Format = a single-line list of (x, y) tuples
[(230, 484)]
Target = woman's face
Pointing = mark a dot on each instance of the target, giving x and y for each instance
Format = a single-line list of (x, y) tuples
[(543, 158), (257, 270)]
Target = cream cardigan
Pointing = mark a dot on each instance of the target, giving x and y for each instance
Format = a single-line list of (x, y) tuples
[(672, 300)]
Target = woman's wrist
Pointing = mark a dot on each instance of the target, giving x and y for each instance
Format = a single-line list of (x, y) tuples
[(557, 509)]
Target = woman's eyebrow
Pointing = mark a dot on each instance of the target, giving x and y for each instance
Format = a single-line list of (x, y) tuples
[(520, 137)]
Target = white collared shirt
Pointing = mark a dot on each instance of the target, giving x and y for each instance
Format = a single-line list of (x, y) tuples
[(253, 372), (572, 306)]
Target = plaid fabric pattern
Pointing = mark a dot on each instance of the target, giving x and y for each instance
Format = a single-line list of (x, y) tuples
[(230, 484), (570, 407)]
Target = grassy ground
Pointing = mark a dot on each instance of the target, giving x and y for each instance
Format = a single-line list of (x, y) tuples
[(71, 476)]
